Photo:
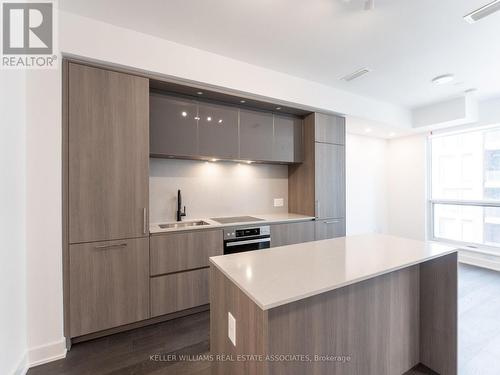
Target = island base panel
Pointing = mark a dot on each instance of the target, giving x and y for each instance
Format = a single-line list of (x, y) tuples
[(385, 325)]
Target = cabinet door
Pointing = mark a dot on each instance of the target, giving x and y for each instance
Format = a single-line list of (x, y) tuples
[(108, 157), (292, 233), (287, 139), (218, 131), (256, 135), (329, 129), (174, 126), (109, 284), (179, 291), (176, 252), (330, 180), (329, 228)]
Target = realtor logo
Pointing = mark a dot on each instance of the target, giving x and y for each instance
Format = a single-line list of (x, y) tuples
[(28, 35)]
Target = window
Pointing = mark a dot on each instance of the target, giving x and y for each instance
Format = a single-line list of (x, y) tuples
[(465, 187)]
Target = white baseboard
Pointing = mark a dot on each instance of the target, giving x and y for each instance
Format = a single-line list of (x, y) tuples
[(47, 353), (478, 261), (22, 367)]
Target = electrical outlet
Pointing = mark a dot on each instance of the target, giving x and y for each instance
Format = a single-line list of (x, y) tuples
[(231, 328), (279, 202)]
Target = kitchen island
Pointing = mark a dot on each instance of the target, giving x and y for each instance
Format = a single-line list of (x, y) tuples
[(370, 304)]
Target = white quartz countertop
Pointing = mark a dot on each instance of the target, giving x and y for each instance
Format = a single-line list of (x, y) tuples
[(285, 274), (266, 219)]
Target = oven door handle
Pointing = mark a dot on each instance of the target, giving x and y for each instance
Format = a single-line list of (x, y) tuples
[(247, 242)]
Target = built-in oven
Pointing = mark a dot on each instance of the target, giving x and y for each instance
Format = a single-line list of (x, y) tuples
[(240, 239)]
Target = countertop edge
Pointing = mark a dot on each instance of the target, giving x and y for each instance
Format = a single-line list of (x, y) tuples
[(154, 231), (334, 287)]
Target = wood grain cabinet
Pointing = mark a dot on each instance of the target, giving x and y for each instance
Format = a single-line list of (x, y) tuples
[(109, 284), (287, 145), (316, 187), (329, 228), (218, 131), (330, 180), (174, 252), (174, 126), (108, 154), (179, 291), (256, 135), (329, 128), (292, 233)]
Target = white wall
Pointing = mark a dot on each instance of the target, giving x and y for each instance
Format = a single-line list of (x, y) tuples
[(406, 178), (12, 223), (366, 184), (43, 216), (215, 189)]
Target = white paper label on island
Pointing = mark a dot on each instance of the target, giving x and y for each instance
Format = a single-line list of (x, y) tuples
[(231, 328)]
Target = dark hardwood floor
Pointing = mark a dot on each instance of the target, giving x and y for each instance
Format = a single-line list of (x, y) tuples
[(146, 351), (140, 351)]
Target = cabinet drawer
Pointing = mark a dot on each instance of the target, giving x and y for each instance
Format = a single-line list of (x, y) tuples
[(109, 284), (176, 252), (329, 228), (292, 233), (179, 291)]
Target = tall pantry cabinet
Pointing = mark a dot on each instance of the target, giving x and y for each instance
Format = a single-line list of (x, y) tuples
[(105, 183)]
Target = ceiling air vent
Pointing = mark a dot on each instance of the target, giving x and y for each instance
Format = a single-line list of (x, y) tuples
[(483, 12), (356, 74)]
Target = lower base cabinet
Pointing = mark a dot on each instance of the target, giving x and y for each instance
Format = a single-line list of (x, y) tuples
[(179, 291), (109, 284), (292, 233), (329, 228)]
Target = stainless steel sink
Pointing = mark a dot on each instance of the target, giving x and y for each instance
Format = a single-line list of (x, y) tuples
[(183, 224)]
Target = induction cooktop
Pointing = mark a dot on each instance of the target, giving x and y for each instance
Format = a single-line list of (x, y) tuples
[(235, 219)]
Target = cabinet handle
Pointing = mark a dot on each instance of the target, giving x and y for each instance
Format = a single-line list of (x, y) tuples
[(316, 208), (332, 222), (144, 221), (111, 245)]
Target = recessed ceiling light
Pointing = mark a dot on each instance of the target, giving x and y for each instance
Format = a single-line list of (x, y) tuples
[(200, 92), (368, 130), (278, 108), (483, 12), (197, 118), (209, 118), (242, 101), (220, 121), (356, 74), (184, 114), (443, 79)]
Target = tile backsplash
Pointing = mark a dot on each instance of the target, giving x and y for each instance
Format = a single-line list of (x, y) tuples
[(211, 189)]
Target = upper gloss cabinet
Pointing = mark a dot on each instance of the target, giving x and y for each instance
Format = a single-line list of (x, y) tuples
[(174, 126), (287, 146), (256, 135), (217, 131)]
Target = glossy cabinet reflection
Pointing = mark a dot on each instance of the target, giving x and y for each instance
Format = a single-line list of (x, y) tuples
[(256, 135), (174, 126), (217, 131), (287, 145), (192, 129)]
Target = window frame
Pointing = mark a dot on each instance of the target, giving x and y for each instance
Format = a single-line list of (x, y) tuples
[(431, 235)]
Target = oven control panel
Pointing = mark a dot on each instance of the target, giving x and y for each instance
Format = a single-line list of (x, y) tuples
[(244, 232)]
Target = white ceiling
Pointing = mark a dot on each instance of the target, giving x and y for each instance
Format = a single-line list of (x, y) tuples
[(405, 42)]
